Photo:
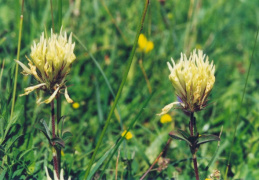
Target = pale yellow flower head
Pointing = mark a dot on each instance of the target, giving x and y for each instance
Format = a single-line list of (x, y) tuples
[(193, 80), (145, 45), (50, 62)]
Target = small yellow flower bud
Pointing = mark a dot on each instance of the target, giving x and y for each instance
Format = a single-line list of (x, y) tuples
[(166, 118), (128, 135), (145, 45), (75, 105)]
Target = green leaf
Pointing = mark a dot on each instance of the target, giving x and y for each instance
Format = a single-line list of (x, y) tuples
[(2, 126), (66, 135), (58, 142), (26, 152), (42, 126), (11, 144), (2, 175), (207, 138), (182, 135), (96, 166), (62, 119)]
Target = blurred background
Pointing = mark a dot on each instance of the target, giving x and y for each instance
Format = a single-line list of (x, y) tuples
[(224, 30)]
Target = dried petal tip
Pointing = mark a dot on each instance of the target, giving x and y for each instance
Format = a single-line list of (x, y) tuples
[(167, 108)]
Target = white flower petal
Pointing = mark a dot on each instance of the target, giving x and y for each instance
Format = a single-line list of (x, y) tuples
[(28, 90), (47, 101), (27, 70), (69, 100), (47, 173), (167, 108)]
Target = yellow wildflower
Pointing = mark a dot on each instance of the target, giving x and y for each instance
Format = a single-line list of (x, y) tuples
[(75, 105), (50, 63), (145, 45), (166, 118), (128, 135), (193, 80)]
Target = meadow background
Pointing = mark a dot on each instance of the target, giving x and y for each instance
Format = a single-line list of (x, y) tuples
[(225, 30)]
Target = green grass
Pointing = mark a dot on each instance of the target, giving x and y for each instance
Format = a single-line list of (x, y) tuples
[(225, 30)]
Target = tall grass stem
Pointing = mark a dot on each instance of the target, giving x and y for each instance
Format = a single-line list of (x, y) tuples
[(17, 58), (119, 141), (59, 14), (240, 106), (140, 26)]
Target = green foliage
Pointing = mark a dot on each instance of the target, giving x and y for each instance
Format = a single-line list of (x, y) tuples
[(225, 30)]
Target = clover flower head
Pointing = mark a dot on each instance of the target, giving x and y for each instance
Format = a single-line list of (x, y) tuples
[(193, 80), (50, 63)]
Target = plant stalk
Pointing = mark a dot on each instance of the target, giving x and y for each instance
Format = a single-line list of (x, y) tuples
[(54, 152), (145, 76), (192, 126), (18, 57), (194, 158), (58, 133)]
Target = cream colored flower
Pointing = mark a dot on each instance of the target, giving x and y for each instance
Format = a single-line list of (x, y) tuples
[(193, 80), (50, 63), (55, 175)]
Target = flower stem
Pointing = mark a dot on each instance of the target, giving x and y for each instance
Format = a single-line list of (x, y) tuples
[(145, 76), (195, 166), (192, 126), (54, 152), (58, 119), (191, 123)]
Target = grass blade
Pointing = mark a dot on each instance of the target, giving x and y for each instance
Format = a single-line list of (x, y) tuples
[(240, 106), (119, 141), (17, 58), (120, 88)]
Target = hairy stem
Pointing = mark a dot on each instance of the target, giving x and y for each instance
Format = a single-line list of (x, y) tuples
[(54, 152), (193, 149), (194, 159)]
